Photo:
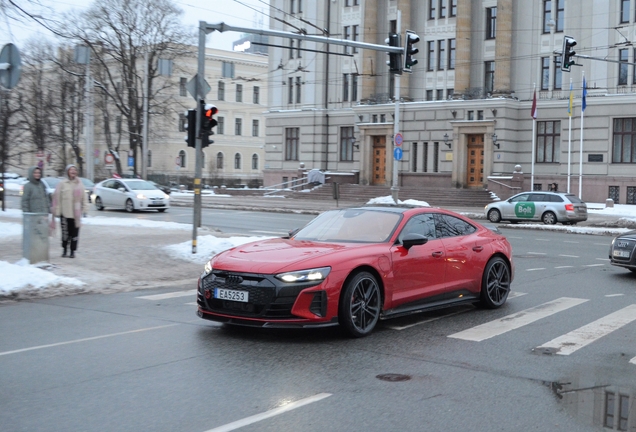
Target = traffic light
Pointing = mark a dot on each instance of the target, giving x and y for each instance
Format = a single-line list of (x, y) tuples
[(395, 59), (208, 122), (410, 50), (567, 53), (191, 127)]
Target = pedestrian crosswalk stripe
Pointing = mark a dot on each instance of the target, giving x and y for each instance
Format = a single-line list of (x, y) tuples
[(519, 319), (633, 361), (169, 295), (583, 336)]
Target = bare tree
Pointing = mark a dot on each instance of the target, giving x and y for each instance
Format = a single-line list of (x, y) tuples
[(127, 37)]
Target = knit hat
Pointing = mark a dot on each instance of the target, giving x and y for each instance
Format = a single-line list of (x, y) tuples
[(68, 167)]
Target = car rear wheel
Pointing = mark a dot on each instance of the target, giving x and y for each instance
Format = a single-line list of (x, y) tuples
[(360, 305), (549, 218), (98, 204), (494, 216), (495, 283), (130, 207)]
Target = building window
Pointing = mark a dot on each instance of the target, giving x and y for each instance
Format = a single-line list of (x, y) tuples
[(228, 70), (451, 53), (560, 15), (449, 93), (299, 49), (256, 97), (298, 83), (558, 73), (254, 128), (624, 11), (609, 410), (238, 126), (291, 6), (430, 55), (300, 6), (356, 34), (545, 73), (414, 157), (183, 91), (614, 193), (239, 92), (429, 95), (346, 143), (441, 54), (440, 94), (237, 161), (183, 120), (622, 67), (354, 87), (118, 124), (631, 199), (345, 87), (491, 22), (291, 143), (425, 157), (346, 35), (480, 114), (290, 90), (489, 76), (435, 157), (182, 158), (382, 118), (219, 161), (453, 8), (254, 161), (471, 115), (442, 8), (221, 91), (547, 15), (624, 141), (548, 141), (431, 9), (220, 127)]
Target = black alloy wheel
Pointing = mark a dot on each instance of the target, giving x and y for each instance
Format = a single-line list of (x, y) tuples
[(495, 283), (494, 216), (360, 305)]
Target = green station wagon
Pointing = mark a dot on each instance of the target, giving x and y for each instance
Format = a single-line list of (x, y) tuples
[(547, 207)]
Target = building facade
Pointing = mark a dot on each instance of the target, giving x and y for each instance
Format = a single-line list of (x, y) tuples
[(465, 111)]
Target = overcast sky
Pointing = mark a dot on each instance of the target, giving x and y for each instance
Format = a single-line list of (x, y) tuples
[(240, 13)]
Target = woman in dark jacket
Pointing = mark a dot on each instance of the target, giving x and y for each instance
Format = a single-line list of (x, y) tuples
[(34, 197)]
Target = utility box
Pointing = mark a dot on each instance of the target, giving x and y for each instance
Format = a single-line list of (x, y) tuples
[(35, 237)]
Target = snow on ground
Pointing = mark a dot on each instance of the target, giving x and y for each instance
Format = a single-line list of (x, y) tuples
[(22, 276)]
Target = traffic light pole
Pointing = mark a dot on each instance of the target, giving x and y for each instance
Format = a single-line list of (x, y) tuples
[(196, 213)]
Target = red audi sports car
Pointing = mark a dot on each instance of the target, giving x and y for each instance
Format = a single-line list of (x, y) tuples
[(355, 266)]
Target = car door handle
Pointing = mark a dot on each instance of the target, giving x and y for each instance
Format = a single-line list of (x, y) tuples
[(437, 254), (478, 248)]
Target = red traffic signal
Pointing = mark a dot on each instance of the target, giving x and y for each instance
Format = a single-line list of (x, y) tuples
[(209, 122)]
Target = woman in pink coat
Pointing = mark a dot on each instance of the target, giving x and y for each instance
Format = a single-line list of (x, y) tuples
[(69, 203)]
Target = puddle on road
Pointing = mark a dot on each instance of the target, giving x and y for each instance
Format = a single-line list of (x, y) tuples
[(600, 404)]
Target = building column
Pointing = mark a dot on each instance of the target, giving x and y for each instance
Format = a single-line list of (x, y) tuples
[(503, 48), (462, 51)]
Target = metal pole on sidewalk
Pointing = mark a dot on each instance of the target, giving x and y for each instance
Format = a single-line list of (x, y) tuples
[(196, 214)]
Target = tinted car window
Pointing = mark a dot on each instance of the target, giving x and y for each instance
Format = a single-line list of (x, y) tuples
[(539, 197), (423, 224), (450, 226), (574, 199), (555, 198), (522, 197)]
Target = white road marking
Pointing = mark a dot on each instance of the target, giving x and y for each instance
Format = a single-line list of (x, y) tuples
[(560, 267), (514, 294), (583, 336), (518, 238), (535, 269), (566, 241), (85, 339), (517, 320), (593, 265), (536, 253), (169, 295), (191, 304), (603, 259), (542, 239), (614, 295), (570, 256), (601, 244), (271, 413), (633, 361)]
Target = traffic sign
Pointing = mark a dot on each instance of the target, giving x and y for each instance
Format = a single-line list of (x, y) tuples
[(399, 139), (397, 153), (10, 66)]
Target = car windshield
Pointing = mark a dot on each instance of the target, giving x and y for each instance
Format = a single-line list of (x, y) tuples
[(51, 181), (140, 185), (350, 225)]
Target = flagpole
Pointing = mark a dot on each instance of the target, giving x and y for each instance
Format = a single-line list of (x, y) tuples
[(534, 126), (581, 145), (570, 109)]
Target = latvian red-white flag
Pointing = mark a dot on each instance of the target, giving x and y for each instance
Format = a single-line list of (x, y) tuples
[(533, 112)]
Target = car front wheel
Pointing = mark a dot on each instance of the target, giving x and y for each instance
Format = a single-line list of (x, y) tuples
[(360, 305), (495, 283), (130, 207), (98, 203), (494, 216), (549, 218)]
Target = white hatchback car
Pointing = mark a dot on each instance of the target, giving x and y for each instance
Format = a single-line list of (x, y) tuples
[(130, 195)]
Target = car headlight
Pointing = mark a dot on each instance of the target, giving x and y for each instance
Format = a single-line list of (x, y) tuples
[(207, 269), (311, 275), (165, 196), (141, 196)]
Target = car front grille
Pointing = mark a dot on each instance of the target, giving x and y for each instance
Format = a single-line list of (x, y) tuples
[(263, 299), (623, 245)]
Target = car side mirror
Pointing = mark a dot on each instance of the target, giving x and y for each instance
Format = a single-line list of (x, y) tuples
[(291, 233), (413, 239), (121, 189)]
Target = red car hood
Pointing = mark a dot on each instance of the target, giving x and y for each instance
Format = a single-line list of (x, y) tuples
[(278, 255)]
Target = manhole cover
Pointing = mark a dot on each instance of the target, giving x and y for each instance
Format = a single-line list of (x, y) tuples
[(393, 377)]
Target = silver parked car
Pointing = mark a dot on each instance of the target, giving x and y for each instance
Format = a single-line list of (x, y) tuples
[(547, 207)]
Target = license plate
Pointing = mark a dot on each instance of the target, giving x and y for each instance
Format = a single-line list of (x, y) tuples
[(622, 254), (232, 295)]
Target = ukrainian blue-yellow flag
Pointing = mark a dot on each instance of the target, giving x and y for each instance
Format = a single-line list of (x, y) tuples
[(584, 102)]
